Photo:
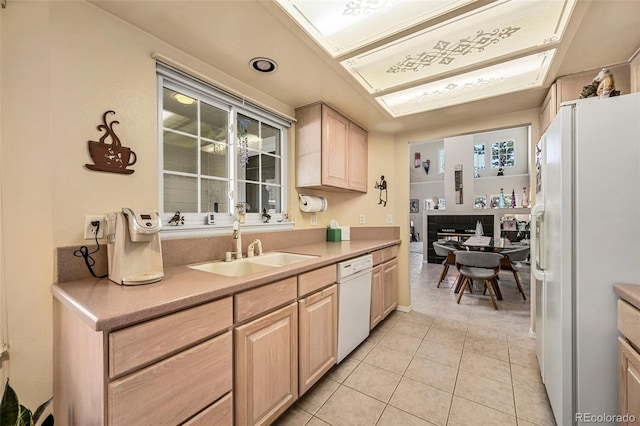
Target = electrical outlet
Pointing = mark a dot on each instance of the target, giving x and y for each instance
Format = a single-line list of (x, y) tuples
[(389, 219), (90, 230), (362, 219), (314, 219)]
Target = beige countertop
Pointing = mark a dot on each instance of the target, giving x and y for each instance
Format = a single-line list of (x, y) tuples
[(105, 306), (630, 293)]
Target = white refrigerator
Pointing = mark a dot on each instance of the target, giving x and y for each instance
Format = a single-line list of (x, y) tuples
[(585, 239)]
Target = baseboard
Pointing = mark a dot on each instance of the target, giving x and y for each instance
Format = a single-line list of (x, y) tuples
[(404, 309), (532, 334)]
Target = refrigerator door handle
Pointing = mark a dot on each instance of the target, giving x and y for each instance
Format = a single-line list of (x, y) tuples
[(537, 255)]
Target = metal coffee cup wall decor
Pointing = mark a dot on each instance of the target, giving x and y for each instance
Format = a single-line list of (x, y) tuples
[(110, 157)]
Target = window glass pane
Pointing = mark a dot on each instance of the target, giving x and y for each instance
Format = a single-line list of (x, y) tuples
[(181, 116), (213, 123), (251, 169), (271, 199), (248, 138), (249, 193), (441, 161), (478, 157), (270, 139), (503, 154), (213, 159), (213, 196), (270, 169), (180, 193), (180, 153)]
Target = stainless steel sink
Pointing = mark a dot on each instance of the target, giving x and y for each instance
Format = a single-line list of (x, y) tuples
[(251, 265)]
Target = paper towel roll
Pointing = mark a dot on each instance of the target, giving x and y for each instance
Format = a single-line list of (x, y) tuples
[(312, 204)]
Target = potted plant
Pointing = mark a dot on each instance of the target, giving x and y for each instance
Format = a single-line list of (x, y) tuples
[(13, 413)]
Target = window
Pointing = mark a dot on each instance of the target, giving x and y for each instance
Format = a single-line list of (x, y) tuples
[(217, 151), (478, 157), (441, 161), (503, 154)]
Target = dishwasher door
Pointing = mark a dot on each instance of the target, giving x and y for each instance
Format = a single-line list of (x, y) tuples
[(354, 308)]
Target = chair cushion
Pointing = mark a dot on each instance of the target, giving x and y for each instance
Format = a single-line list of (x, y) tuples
[(477, 273)]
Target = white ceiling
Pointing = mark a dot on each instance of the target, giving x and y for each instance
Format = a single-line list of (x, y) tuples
[(227, 34)]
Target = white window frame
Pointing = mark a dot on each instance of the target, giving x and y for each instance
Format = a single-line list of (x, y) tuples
[(194, 223)]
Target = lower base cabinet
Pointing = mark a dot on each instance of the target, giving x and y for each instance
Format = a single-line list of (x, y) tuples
[(266, 359), (384, 291), (318, 342), (389, 287), (629, 383)]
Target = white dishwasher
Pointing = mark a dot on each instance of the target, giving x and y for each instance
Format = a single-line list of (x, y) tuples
[(354, 303)]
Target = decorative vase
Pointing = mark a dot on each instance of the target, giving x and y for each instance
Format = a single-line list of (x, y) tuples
[(502, 202)]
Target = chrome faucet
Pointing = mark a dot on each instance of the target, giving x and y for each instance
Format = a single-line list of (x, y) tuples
[(255, 248), (238, 237)]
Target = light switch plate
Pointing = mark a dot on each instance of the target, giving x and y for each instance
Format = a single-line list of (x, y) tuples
[(361, 219), (314, 219), (389, 219)]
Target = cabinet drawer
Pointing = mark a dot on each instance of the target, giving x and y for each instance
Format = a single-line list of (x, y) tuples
[(389, 253), (259, 300), (377, 257), (219, 414), (315, 280), (171, 391), (629, 322), (144, 343)]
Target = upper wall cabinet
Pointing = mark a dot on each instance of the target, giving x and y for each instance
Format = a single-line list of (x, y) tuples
[(331, 150)]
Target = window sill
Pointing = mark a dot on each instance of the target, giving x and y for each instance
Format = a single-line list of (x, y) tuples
[(194, 231)]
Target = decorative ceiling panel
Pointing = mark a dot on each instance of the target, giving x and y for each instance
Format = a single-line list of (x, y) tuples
[(495, 31), (511, 76), (341, 26)]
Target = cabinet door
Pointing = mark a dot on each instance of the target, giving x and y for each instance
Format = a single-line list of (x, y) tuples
[(318, 330), (389, 287), (357, 156), (335, 130), (376, 296), (266, 366), (629, 382)]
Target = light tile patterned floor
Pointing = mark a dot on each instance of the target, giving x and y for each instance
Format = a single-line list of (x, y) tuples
[(442, 364)]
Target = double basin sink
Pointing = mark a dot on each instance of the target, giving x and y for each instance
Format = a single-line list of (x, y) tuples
[(251, 265)]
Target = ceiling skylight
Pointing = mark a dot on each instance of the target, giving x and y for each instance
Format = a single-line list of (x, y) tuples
[(422, 55), (499, 29), (511, 76), (341, 26)]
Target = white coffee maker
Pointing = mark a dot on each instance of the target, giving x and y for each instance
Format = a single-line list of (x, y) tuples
[(133, 247)]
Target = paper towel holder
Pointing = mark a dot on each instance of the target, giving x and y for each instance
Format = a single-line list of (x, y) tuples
[(312, 204)]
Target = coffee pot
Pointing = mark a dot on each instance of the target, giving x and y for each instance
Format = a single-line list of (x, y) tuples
[(133, 247)]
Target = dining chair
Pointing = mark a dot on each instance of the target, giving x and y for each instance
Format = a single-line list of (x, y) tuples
[(478, 265), (450, 259), (508, 263)]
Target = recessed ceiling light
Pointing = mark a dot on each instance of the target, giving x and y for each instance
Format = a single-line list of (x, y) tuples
[(184, 99), (264, 65)]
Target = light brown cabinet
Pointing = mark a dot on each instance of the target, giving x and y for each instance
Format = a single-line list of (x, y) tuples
[(389, 287), (266, 359), (318, 331), (629, 364), (376, 297), (384, 284), (163, 371), (331, 150)]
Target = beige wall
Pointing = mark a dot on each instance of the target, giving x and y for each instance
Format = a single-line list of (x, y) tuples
[(63, 65)]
